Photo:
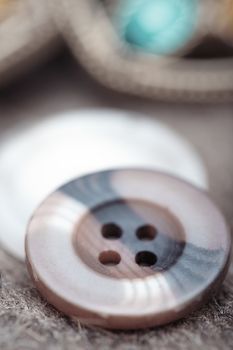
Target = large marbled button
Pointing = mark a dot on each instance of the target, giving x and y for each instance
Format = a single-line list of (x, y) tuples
[(127, 248)]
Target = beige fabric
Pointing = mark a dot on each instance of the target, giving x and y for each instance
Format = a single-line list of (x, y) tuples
[(28, 35), (93, 41), (26, 320)]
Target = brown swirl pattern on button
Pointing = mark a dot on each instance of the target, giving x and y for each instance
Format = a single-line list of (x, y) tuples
[(127, 248)]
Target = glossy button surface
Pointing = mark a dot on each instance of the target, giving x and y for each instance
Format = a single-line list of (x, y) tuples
[(127, 248)]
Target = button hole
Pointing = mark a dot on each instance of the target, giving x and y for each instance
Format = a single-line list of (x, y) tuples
[(111, 231), (109, 258), (146, 258), (146, 233)]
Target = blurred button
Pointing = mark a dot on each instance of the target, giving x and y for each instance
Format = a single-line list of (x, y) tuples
[(127, 248), (37, 159), (158, 26)]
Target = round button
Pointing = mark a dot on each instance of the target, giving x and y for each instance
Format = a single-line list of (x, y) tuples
[(158, 26), (127, 249), (37, 159)]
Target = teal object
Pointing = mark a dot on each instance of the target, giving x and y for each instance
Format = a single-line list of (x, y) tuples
[(157, 26)]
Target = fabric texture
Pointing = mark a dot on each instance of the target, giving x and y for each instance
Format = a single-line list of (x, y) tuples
[(27, 322)]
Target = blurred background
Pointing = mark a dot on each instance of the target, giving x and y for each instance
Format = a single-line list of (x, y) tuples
[(164, 66)]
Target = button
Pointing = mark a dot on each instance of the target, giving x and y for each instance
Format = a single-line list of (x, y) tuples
[(158, 26), (37, 159), (127, 249)]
